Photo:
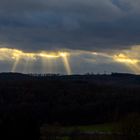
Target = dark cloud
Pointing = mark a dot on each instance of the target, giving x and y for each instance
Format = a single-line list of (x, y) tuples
[(69, 24)]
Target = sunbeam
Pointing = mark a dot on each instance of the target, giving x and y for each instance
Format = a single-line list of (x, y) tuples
[(131, 63), (26, 59), (16, 62), (47, 65), (66, 62)]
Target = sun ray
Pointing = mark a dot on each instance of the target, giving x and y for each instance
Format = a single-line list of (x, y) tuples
[(66, 62), (16, 62), (26, 66), (49, 59), (46, 65), (131, 63)]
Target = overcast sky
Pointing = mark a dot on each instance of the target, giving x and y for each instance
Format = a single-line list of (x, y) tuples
[(98, 35)]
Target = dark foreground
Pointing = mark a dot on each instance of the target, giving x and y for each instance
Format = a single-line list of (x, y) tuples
[(29, 101), (91, 137)]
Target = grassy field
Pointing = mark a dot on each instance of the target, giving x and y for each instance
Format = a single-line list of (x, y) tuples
[(106, 128), (92, 128), (100, 132)]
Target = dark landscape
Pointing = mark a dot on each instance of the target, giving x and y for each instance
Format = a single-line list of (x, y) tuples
[(70, 69), (69, 107)]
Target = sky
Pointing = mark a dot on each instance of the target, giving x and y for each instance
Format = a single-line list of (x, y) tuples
[(70, 36)]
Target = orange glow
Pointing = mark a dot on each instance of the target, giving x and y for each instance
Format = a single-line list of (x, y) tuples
[(132, 63), (15, 56)]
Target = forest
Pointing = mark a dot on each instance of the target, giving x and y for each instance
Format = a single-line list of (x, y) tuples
[(31, 100)]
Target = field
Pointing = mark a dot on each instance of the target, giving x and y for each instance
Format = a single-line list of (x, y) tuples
[(89, 132), (92, 128)]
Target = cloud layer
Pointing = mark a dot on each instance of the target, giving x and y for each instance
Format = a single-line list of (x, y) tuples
[(100, 35), (65, 24)]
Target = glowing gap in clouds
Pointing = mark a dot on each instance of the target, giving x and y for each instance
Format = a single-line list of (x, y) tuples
[(132, 63), (18, 56)]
